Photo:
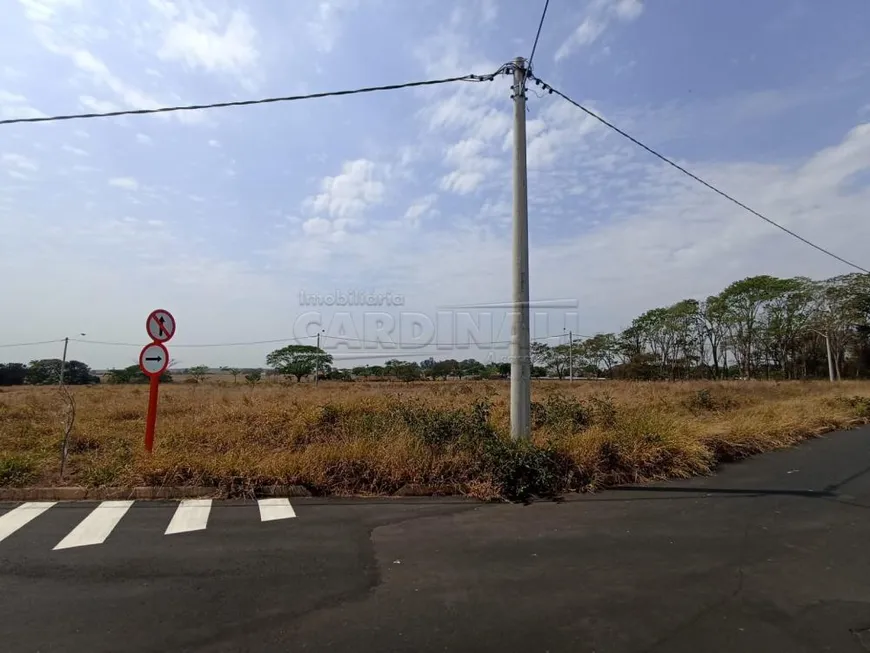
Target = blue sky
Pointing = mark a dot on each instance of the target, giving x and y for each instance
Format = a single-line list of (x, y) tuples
[(224, 216)]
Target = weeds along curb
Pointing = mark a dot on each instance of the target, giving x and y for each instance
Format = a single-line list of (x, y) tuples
[(139, 493)]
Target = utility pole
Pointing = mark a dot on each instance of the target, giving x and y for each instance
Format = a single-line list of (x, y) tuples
[(63, 361), (521, 391), (317, 373), (828, 349), (570, 357), (830, 360)]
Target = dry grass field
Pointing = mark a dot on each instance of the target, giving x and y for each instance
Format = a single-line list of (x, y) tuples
[(375, 438)]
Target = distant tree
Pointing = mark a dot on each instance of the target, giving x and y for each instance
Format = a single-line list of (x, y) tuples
[(13, 373), (504, 370), (407, 372), (198, 372), (445, 368), (471, 367), (232, 370), (336, 374), (253, 377), (47, 372), (298, 360), (133, 374), (539, 352)]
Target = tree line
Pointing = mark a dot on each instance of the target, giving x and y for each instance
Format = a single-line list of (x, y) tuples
[(758, 327), (46, 371)]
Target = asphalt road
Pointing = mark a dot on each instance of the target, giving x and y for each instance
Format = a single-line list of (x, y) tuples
[(772, 554)]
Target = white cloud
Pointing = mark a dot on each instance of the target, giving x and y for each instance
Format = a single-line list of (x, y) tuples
[(144, 139), (74, 150), (128, 183), (214, 143), (598, 16), (316, 226), (471, 164), (324, 28), (420, 208), (14, 105), (350, 193), (19, 161), (204, 40), (98, 106), (44, 10)]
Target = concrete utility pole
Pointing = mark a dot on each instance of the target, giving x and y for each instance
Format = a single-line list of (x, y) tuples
[(521, 373), (830, 360), (828, 349), (63, 361), (570, 357), (317, 372)]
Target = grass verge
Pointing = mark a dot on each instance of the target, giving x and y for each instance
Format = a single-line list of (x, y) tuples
[(450, 437)]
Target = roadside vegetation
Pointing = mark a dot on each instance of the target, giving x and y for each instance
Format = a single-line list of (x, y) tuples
[(434, 437)]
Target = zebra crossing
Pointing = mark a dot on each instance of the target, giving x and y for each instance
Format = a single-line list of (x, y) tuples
[(189, 516)]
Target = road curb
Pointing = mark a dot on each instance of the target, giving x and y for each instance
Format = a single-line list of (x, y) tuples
[(147, 493)]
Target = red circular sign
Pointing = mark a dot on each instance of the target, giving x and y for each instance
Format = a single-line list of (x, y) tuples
[(160, 325)]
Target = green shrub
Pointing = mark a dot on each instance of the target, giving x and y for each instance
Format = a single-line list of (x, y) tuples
[(16, 471)]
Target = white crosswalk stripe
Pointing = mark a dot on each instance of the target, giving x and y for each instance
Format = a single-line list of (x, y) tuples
[(21, 516), (272, 509), (96, 527), (191, 515)]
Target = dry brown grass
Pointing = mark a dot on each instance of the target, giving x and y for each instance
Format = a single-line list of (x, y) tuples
[(373, 438)]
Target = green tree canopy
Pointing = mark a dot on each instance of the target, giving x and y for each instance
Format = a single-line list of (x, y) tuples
[(298, 360)]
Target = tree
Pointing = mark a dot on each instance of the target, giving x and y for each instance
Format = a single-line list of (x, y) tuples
[(471, 367), (13, 373), (602, 351), (253, 377), (407, 371), (133, 374), (198, 372), (232, 370), (298, 360), (744, 300), (539, 353), (47, 372)]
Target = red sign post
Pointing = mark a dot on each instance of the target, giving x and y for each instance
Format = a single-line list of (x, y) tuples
[(153, 361)]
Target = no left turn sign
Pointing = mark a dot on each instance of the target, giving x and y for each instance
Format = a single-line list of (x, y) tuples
[(160, 325)]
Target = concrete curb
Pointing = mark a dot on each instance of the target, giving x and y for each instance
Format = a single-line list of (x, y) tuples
[(139, 493)]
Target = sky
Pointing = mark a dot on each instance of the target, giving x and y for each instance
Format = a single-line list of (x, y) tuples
[(240, 220)]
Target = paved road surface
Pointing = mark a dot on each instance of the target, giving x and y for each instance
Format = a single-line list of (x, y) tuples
[(772, 554)]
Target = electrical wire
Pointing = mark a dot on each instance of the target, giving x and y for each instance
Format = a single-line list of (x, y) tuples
[(243, 103), (294, 339), (701, 181), (182, 346), (538, 35), (32, 344)]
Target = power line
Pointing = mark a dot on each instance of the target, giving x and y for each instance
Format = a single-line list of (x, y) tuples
[(696, 177), (182, 346), (538, 35), (268, 100), (33, 344)]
